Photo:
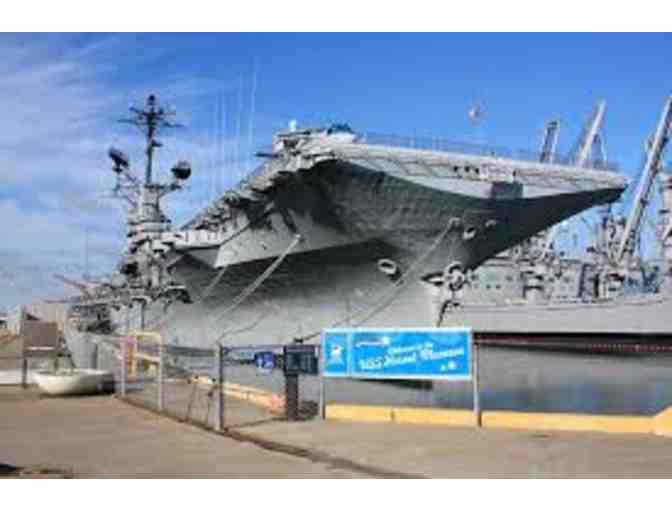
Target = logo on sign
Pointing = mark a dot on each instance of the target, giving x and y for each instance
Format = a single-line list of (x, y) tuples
[(336, 354)]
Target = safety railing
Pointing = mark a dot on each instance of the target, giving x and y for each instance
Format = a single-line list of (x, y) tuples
[(473, 149)]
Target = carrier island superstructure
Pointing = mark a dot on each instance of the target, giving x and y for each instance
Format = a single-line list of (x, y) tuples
[(334, 229)]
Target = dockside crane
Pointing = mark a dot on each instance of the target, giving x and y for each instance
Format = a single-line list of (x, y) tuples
[(652, 167), (590, 137), (550, 141)]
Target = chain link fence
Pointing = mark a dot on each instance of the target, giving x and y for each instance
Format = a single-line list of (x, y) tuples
[(219, 388)]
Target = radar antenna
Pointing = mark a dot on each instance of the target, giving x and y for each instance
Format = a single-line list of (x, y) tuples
[(150, 121)]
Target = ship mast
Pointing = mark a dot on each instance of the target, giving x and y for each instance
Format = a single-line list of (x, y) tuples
[(150, 120), (149, 229)]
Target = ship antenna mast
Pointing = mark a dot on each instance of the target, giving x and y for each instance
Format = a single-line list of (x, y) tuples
[(150, 121), (150, 234)]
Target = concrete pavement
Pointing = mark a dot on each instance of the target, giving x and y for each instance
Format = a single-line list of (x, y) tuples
[(104, 437)]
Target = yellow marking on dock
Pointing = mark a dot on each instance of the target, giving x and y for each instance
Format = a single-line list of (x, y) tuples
[(423, 416), (406, 415), (568, 422), (660, 424), (262, 398), (359, 413)]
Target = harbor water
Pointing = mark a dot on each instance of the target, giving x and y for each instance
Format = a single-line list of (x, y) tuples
[(534, 381)]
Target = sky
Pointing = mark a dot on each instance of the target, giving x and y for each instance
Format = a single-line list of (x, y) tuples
[(61, 96)]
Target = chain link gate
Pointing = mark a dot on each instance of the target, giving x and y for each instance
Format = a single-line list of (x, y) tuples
[(260, 385), (223, 387)]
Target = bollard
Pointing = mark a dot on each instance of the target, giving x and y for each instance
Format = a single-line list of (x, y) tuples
[(475, 385)]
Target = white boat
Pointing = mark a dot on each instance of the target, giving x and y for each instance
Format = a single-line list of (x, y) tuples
[(73, 382)]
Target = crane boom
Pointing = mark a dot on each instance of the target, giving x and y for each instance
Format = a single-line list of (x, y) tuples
[(651, 169), (549, 142), (590, 134), (589, 137), (81, 287)]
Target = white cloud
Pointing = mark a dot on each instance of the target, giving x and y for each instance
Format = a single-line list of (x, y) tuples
[(60, 102)]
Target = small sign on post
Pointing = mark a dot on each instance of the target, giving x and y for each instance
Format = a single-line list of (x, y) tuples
[(300, 359), (265, 362)]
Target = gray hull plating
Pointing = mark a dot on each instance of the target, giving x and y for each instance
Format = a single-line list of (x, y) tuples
[(641, 315)]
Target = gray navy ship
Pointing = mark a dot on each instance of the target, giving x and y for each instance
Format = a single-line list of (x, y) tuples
[(334, 229), (611, 291)]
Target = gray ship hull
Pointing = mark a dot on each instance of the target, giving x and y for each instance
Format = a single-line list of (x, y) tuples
[(349, 219), (645, 314), (347, 234)]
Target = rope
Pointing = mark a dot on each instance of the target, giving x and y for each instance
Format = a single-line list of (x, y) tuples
[(249, 290), (162, 319), (394, 290)]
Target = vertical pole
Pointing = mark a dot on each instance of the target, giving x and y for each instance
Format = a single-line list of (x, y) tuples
[(24, 371), (292, 397), (124, 360), (160, 375), (323, 389), (477, 395), (142, 315), (220, 388)]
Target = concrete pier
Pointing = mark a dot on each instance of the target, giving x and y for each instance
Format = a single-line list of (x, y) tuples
[(104, 437)]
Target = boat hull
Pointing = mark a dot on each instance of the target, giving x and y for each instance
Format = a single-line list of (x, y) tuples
[(73, 382)]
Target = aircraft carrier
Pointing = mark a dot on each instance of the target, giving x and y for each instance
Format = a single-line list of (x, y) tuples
[(334, 229)]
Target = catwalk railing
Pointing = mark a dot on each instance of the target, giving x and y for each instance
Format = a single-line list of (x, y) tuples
[(475, 149), (437, 144)]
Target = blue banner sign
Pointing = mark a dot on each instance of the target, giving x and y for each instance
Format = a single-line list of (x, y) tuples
[(431, 353)]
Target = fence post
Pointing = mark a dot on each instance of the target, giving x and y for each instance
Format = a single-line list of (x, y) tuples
[(160, 374), (124, 355), (24, 371), (220, 388), (323, 390), (475, 374), (292, 397)]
